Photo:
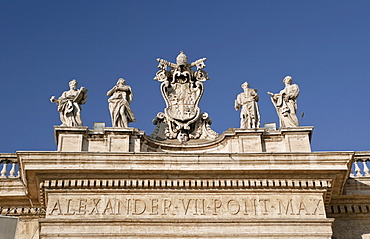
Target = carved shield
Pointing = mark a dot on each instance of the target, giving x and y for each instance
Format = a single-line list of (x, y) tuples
[(182, 100)]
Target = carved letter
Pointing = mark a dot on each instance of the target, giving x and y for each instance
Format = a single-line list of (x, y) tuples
[(187, 205), (167, 207), (56, 207), (318, 208), (154, 207), (196, 207), (203, 207), (82, 207), (216, 205), (265, 212), (95, 208), (302, 207), (143, 208), (229, 206), (283, 209), (68, 208), (109, 207), (254, 205), (245, 207), (127, 207)]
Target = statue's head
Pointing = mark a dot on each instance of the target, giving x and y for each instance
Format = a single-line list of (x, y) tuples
[(182, 136), (245, 85), (182, 59), (121, 81), (288, 80), (73, 84)]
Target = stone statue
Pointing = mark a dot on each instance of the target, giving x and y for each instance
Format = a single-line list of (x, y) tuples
[(69, 104), (285, 103), (119, 104), (249, 113), (182, 89)]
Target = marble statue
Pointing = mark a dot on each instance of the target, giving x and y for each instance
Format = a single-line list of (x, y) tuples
[(246, 102), (69, 104), (285, 103), (119, 104), (182, 89)]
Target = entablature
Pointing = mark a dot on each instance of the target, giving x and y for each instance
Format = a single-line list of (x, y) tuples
[(238, 171)]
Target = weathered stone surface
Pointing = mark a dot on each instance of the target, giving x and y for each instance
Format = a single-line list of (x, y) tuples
[(108, 139), (194, 193), (167, 229), (182, 88), (28, 228), (120, 99), (69, 104), (285, 103), (76, 206), (79, 139), (352, 228), (246, 102)]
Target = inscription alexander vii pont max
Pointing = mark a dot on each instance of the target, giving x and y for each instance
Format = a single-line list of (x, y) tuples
[(185, 206)]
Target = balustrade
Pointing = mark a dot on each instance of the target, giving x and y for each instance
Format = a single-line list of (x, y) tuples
[(361, 165), (9, 166)]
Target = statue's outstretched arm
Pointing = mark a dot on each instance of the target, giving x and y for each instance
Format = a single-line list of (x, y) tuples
[(53, 100)]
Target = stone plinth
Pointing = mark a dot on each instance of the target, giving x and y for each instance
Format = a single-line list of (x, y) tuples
[(77, 139), (233, 140)]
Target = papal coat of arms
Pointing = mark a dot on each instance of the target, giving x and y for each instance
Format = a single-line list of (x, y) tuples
[(182, 89)]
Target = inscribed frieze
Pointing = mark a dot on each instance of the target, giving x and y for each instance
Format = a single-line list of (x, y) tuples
[(185, 205)]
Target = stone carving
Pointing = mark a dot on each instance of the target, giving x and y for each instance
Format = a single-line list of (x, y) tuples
[(185, 205), (182, 89), (119, 104), (69, 104), (285, 103), (247, 103)]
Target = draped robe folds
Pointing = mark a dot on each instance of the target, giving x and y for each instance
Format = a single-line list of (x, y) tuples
[(249, 113), (286, 106), (119, 107), (69, 107)]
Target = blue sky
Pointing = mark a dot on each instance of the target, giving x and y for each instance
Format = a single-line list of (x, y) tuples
[(324, 45)]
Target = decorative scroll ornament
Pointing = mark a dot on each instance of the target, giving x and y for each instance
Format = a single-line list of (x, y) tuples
[(182, 89)]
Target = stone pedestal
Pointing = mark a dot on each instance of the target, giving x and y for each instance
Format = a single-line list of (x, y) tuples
[(233, 140), (108, 139), (71, 138)]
